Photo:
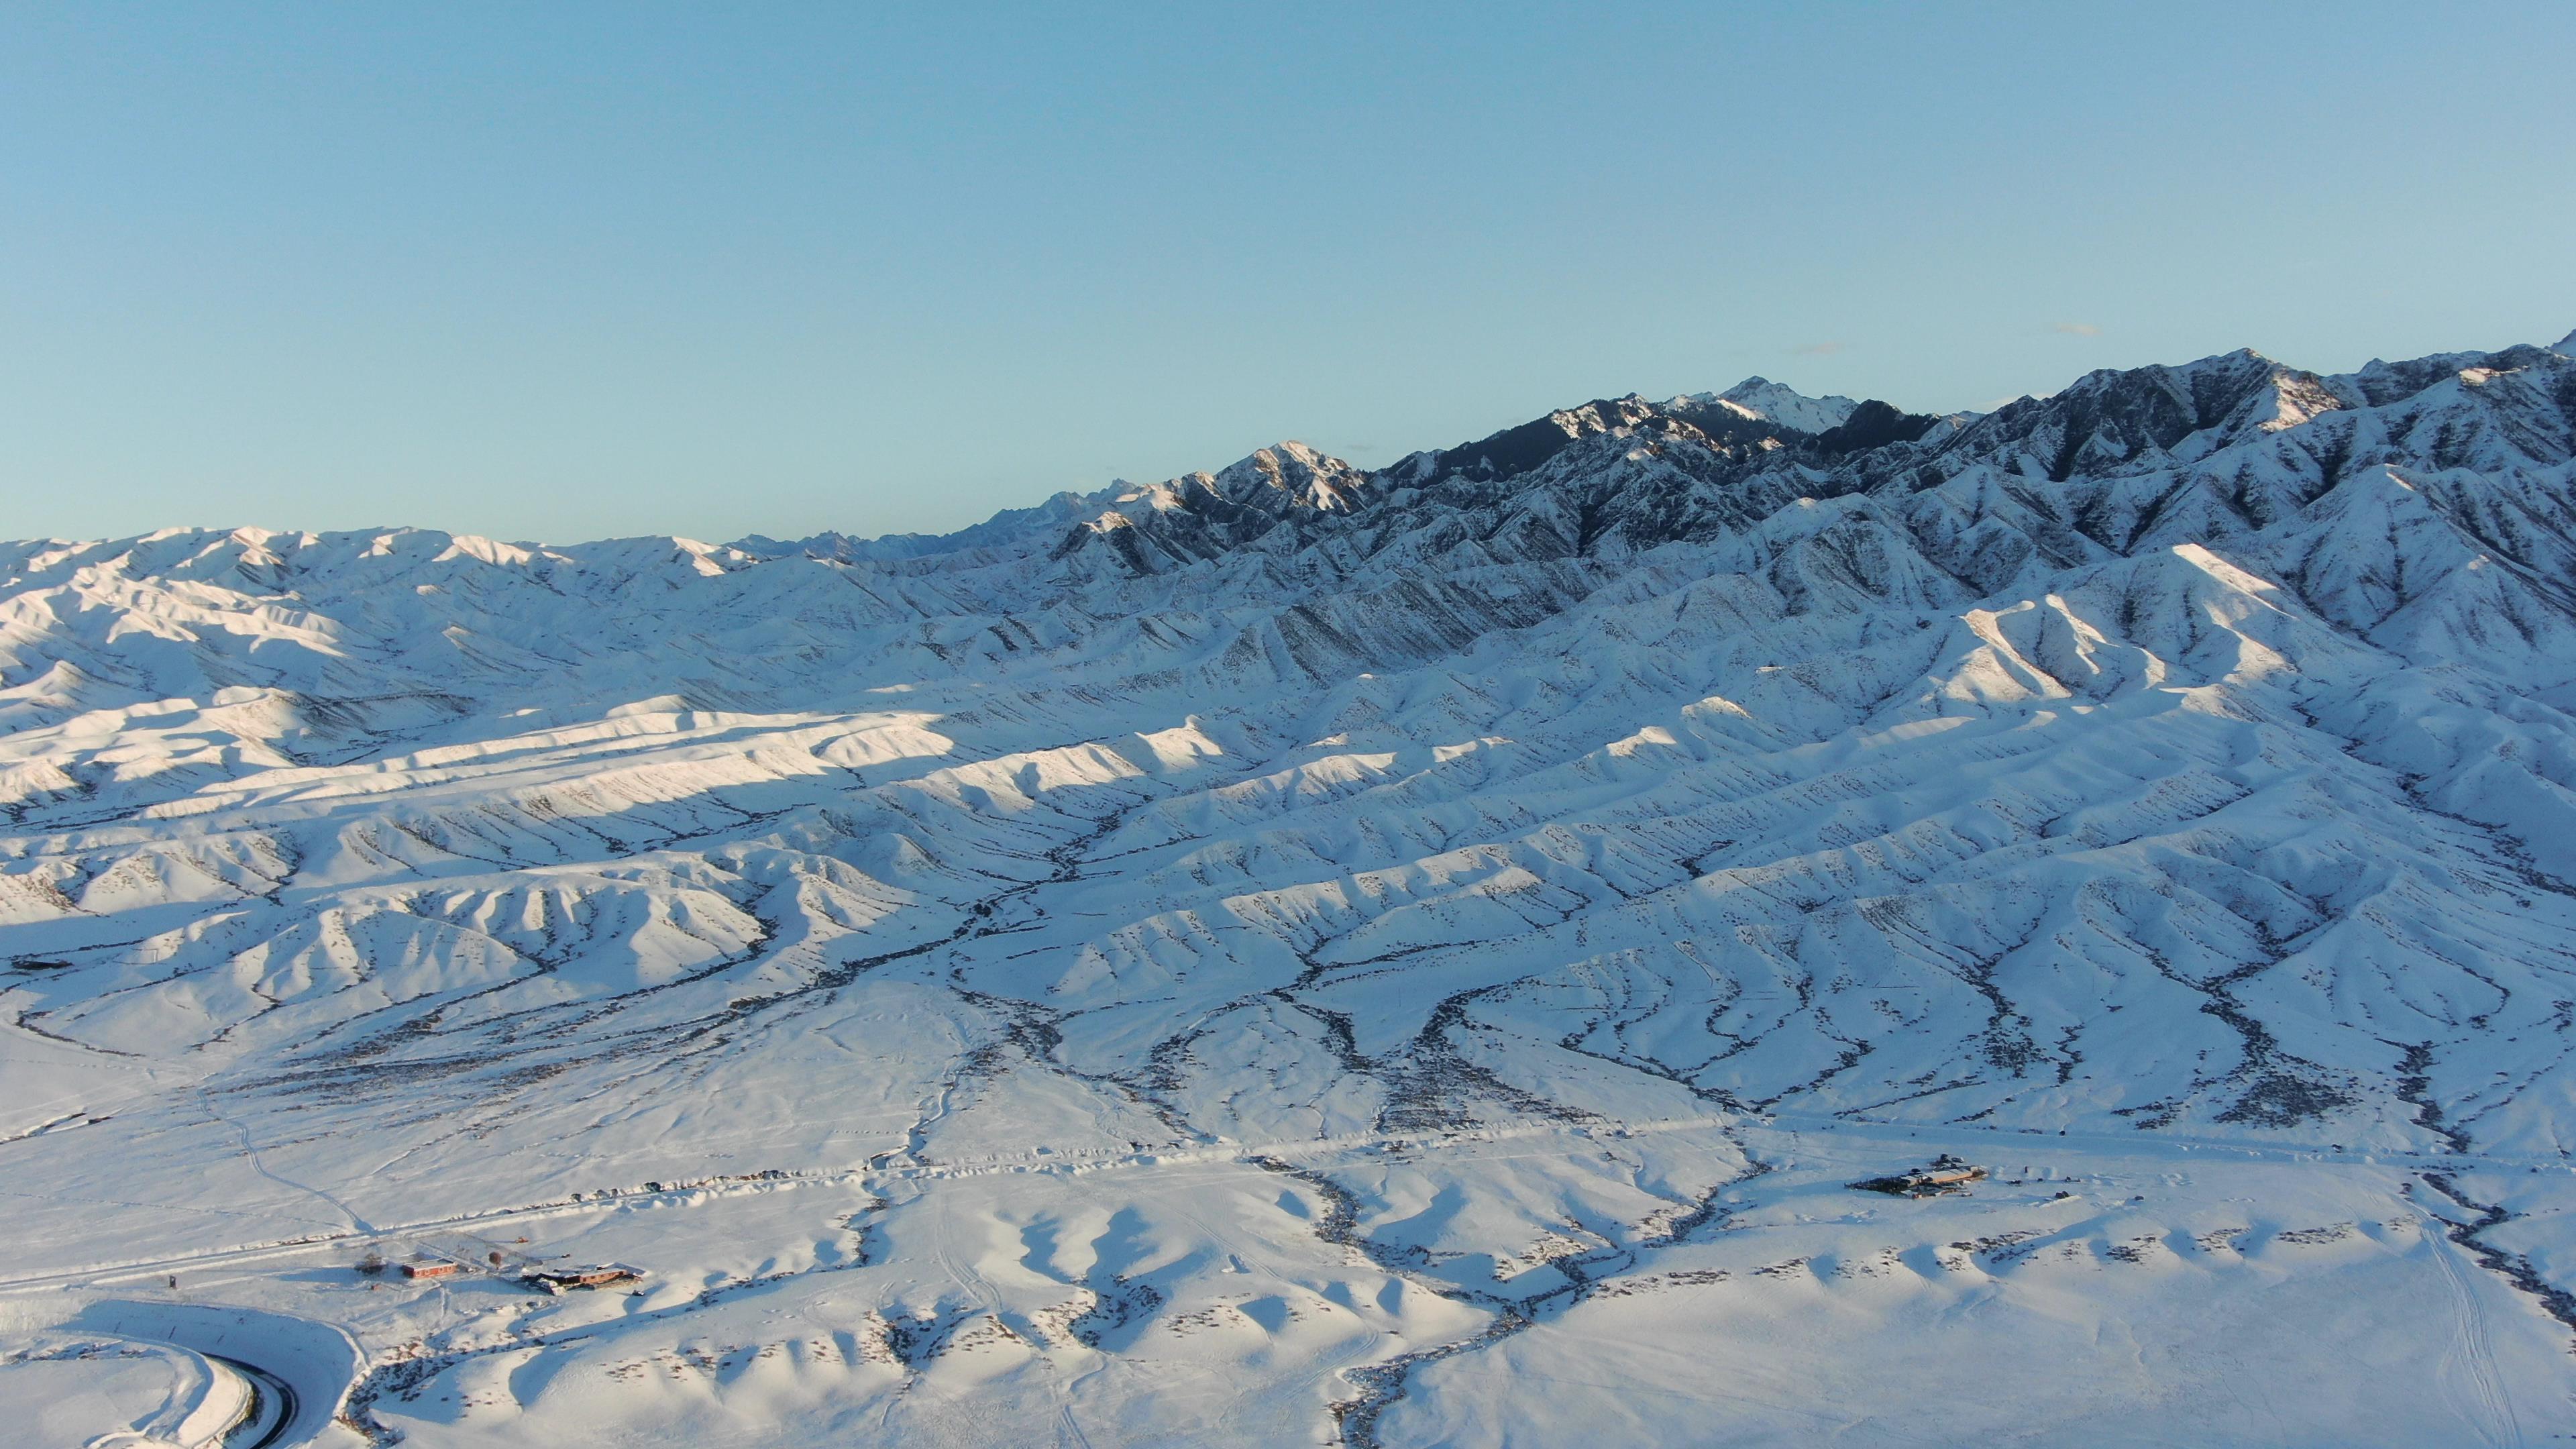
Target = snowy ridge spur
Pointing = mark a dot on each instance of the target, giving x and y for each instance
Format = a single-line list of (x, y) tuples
[(1350, 936)]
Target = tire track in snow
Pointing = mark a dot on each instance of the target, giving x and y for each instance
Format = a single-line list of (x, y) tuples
[(2469, 1354)]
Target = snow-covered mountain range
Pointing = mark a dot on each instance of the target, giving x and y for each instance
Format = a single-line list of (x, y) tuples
[(1305, 953)]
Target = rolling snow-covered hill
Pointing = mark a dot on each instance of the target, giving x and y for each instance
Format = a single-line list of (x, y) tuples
[(1308, 954)]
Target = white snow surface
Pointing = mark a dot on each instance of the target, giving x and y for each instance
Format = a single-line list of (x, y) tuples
[(114, 1393), (1302, 955)]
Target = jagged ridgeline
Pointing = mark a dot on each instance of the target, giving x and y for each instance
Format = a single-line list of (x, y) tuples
[(2184, 756)]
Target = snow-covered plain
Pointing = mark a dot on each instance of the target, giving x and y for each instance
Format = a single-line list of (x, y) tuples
[(1301, 955)]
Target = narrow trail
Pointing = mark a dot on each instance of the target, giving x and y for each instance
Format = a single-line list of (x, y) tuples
[(2468, 1372), (250, 1152)]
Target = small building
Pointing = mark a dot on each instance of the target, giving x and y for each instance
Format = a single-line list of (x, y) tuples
[(432, 1270), (1947, 1174), (565, 1280)]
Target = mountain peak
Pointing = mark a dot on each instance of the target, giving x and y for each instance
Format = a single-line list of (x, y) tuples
[(1286, 475), (1759, 399)]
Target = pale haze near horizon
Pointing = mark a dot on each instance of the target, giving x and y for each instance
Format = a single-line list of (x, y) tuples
[(584, 271)]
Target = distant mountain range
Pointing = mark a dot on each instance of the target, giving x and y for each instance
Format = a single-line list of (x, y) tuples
[(2187, 758)]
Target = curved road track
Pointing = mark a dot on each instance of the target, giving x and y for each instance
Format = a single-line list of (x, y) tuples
[(273, 1407)]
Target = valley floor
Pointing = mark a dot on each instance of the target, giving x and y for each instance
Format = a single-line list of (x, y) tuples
[(2092, 1290)]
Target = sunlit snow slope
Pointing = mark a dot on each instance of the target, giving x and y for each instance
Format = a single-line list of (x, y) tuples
[(1302, 954)]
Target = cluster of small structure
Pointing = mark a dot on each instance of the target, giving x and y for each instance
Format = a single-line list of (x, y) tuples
[(564, 1280), (430, 1268), (1946, 1174)]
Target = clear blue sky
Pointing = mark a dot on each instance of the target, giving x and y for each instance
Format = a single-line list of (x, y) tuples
[(564, 271)]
